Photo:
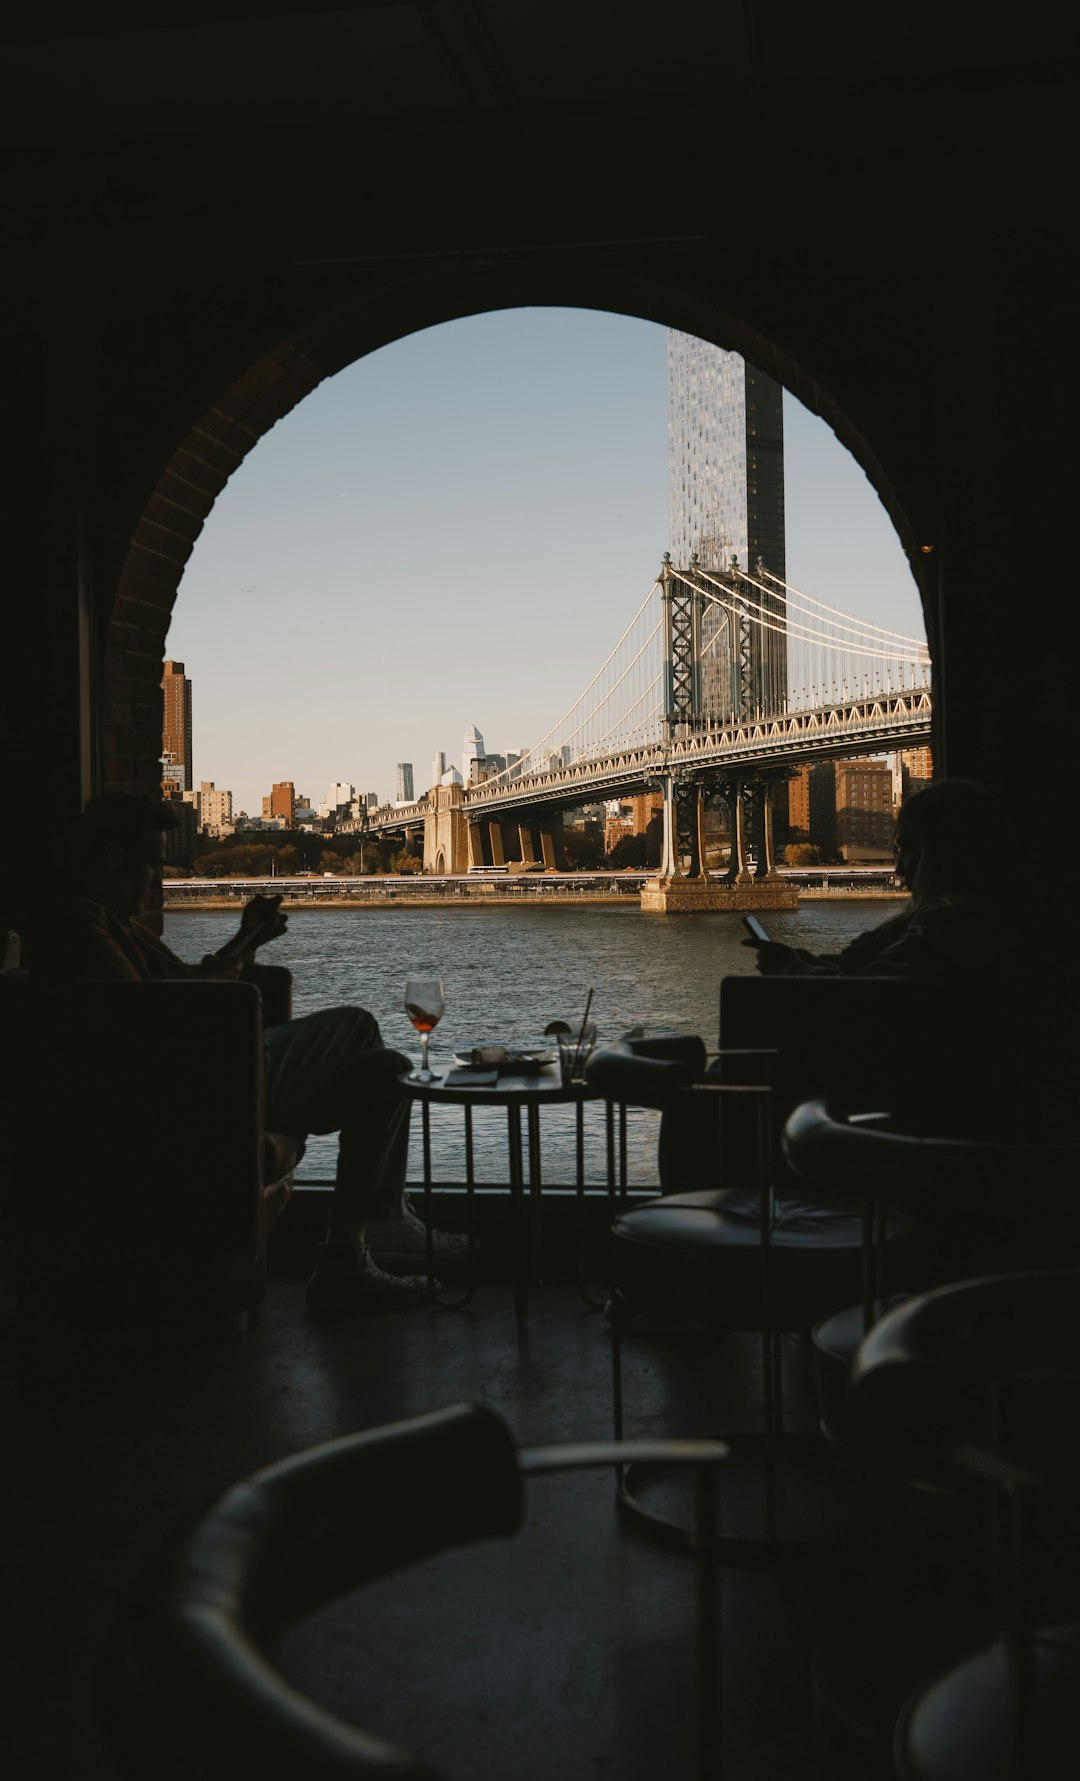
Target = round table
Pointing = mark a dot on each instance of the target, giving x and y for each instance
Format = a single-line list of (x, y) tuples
[(518, 1092)]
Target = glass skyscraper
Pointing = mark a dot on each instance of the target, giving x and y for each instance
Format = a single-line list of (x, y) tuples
[(726, 499)]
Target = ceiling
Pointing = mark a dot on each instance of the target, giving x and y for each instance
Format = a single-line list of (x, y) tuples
[(254, 69)]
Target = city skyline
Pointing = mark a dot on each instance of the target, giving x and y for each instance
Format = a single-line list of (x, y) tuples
[(410, 552)]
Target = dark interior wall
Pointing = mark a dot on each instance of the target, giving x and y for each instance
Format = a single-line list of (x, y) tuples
[(902, 263)]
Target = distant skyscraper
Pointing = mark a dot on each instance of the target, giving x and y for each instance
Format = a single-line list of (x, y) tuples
[(438, 767), (472, 749), (175, 730), (336, 795), (725, 459), (725, 499), (405, 793)]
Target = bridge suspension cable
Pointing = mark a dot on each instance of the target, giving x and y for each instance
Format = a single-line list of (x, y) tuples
[(826, 659), (765, 649), (614, 710), (914, 644)]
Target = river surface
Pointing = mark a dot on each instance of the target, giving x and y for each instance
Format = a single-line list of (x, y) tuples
[(507, 973)]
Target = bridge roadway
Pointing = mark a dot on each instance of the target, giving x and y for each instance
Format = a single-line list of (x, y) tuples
[(873, 724)]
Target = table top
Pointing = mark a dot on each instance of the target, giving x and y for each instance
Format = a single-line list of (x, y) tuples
[(513, 1089)]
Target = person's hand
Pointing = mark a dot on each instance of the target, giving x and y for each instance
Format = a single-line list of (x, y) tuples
[(262, 920), (774, 959)]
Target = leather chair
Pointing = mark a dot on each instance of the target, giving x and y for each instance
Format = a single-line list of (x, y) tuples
[(979, 1203), (962, 1398), (733, 1255), (143, 1180), (190, 1684)]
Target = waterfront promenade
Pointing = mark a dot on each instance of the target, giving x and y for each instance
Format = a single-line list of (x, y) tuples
[(525, 889)]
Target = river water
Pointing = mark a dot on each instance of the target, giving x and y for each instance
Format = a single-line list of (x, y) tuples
[(507, 973)]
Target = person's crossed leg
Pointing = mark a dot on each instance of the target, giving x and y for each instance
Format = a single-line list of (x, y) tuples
[(330, 1072)]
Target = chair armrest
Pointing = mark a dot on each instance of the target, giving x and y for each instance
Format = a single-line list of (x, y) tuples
[(636, 1081), (575, 1456), (646, 1072), (850, 1158), (274, 984)]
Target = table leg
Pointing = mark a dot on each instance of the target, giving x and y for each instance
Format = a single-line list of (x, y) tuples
[(535, 1186), (434, 1294), (517, 1207), (616, 1183), (583, 1290), (429, 1241)]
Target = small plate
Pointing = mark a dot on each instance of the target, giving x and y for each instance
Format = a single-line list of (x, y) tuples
[(464, 1058)]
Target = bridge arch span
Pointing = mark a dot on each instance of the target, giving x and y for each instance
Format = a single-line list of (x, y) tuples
[(254, 385)]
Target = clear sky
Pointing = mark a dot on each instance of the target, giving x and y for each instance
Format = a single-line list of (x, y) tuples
[(456, 530)]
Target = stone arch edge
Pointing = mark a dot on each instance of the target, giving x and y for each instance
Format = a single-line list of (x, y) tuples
[(276, 381)]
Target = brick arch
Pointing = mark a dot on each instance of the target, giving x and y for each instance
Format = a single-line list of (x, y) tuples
[(217, 442), (163, 541)]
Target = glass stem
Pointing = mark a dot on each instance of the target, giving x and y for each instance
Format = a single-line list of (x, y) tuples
[(423, 1052)]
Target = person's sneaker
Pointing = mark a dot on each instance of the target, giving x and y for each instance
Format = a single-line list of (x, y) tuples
[(402, 1242), (349, 1279)]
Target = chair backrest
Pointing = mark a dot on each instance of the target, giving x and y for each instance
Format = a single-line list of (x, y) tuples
[(991, 1359), (849, 1158), (191, 1689), (161, 1080), (943, 1058)]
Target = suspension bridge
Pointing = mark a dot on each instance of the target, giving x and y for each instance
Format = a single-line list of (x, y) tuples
[(722, 682)]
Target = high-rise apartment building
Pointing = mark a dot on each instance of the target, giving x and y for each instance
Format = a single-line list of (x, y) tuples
[(912, 768), (281, 802), (213, 809), (812, 806), (864, 809), (726, 499), (175, 731), (725, 459), (405, 793)]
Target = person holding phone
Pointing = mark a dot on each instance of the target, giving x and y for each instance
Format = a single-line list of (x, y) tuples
[(951, 926), (325, 1072)]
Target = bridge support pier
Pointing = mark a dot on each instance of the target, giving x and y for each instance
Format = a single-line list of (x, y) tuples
[(672, 893), (768, 865), (476, 845), (498, 857), (739, 869)]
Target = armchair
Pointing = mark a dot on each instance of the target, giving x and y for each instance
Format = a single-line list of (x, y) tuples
[(144, 1181), (191, 1681)]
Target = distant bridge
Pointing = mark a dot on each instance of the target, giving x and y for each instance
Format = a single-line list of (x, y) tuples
[(722, 682)]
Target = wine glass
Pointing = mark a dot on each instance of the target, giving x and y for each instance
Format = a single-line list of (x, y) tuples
[(425, 1005)]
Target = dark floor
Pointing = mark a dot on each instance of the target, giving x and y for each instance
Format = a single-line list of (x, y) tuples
[(566, 1652)]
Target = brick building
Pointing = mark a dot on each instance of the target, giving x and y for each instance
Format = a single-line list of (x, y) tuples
[(281, 802), (864, 810), (175, 730)]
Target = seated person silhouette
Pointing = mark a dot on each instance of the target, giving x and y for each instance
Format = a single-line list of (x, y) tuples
[(949, 933), (950, 929), (325, 1072)]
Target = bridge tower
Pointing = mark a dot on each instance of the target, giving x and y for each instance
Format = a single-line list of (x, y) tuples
[(682, 601), (734, 685), (446, 830)]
